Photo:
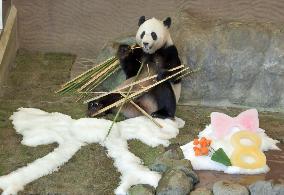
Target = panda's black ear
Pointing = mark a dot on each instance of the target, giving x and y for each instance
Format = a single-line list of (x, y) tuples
[(167, 22), (142, 19)]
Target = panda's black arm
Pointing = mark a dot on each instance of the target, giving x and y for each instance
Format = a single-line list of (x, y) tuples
[(130, 59), (171, 60)]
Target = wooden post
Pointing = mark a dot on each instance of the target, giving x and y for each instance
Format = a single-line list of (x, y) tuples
[(1, 17), (8, 43)]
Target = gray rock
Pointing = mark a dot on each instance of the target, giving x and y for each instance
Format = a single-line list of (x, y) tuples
[(173, 152), (189, 172), (278, 189), (141, 189), (162, 164), (174, 182), (201, 191), (229, 188), (172, 157), (266, 187), (239, 61)]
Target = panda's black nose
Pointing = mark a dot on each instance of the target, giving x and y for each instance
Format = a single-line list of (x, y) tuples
[(145, 44)]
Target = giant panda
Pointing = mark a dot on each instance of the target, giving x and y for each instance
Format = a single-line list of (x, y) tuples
[(155, 49)]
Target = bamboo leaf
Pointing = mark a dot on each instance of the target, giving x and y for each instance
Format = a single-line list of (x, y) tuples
[(221, 157)]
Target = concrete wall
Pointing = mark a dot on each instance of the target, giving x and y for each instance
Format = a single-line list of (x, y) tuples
[(83, 26), (239, 51)]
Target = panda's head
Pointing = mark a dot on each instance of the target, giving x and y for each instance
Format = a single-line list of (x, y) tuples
[(153, 34)]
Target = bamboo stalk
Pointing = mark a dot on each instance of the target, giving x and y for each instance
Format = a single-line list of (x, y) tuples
[(85, 75), (189, 72), (137, 93), (143, 112), (123, 102), (131, 84), (95, 84), (103, 78), (115, 63), (99, 92), (88, 71)]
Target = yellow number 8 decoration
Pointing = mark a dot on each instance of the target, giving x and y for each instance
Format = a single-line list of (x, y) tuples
[(252, 150)]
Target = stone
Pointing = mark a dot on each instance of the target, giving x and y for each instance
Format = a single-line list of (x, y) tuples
[(173, 151), (238, 61), (174, 182), (201, 191), (229, 188), (266, 187), (278, 189), (172, 157), (189, 172), (162, 164), (141, 189)]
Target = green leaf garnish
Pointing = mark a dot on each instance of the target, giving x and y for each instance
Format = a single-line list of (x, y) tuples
[(221, 157)]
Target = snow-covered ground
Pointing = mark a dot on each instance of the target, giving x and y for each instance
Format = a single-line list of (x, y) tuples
[(39, 127)]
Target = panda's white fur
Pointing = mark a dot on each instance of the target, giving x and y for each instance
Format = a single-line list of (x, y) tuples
[(163, 39), (147, 102), (158, 54), (157, 26)]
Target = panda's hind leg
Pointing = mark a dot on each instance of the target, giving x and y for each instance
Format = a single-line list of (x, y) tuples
[(166, 101)]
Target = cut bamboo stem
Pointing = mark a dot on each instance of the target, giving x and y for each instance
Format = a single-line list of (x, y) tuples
[(129, 85), (137, 93), (115, 63), (123, 102), (143, 112), (189, 72), (86, 74), (95, 84), (100, 92)]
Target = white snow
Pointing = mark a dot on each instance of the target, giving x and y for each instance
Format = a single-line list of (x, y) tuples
[(39, 127), (205, 162)]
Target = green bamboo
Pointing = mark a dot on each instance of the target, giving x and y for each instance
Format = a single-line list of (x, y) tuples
[(85, 77), (126, 99), (91, 88)]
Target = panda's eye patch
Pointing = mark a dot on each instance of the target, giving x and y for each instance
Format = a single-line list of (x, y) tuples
[(142, 35), (154, 36)]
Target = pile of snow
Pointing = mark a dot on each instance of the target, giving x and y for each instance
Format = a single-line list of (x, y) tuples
[(39, 127), (205, 162)]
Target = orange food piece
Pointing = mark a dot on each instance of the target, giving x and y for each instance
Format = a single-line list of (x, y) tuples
[(208, 142), (195, 148), (195, 142), (197, 152), (203, 144), (204, 151), (203, 139)]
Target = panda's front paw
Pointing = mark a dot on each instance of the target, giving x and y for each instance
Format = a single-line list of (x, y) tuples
[(93, 108), (123, 51)]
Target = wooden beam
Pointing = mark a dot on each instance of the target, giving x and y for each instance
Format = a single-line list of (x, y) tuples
[(8, 43)]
